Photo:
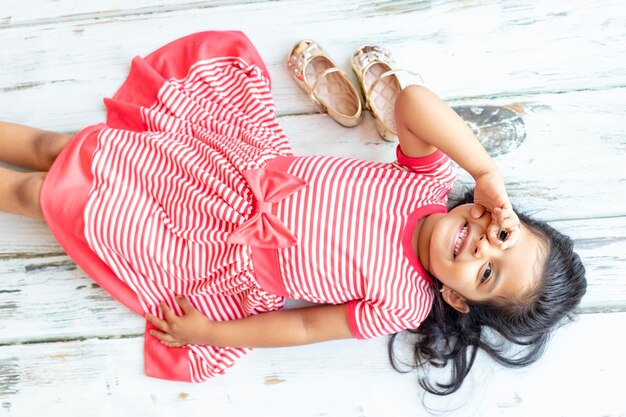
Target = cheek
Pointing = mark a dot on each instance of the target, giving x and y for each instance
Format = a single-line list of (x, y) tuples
[(438, 266), (454, 275), (439, 240), (440, 250)]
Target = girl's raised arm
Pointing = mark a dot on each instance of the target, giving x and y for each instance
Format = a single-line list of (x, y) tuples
[(298, 326), (426, 123)]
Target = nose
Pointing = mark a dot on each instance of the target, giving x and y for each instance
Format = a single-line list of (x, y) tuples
[(484, 248)]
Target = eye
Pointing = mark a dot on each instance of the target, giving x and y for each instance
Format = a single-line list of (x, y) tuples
[(503, 235), (486, 274)]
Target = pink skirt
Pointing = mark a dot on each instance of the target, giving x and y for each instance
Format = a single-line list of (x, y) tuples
[(145, 203)]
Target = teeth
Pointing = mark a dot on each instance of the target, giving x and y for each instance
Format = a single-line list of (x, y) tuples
[(459, 241)]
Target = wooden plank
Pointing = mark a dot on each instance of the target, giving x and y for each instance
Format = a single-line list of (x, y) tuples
[(601, 244), (22, 236), (41, 12), (574, 148), (45, 297), (49, 298), (344, 378), (72, 64)]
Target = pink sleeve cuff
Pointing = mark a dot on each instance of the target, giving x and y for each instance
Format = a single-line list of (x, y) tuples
[(418, 161)]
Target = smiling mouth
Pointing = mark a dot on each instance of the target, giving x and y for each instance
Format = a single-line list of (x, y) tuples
[(460, 240)]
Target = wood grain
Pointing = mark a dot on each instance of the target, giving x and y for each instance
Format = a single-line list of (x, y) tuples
[(67, 348), (525, 49)]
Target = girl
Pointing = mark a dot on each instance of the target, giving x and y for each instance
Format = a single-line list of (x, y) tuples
[(189, 207)]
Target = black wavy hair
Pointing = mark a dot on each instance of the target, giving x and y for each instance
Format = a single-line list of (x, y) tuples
[(450, 336)]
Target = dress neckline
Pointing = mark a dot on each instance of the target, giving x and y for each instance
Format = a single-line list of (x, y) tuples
[(407, 236)]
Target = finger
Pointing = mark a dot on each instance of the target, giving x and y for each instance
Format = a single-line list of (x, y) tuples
[(167, 339), (508, 212), (168, 313), (505, 212), (505, 222), (161, 324), (505, 236), (507, 206), (186, 305), (506, 219), (493, 232), (509, 223), (501, 215), (162, 336), (511, 240), (497, 234), (477, 211), (497, 215)]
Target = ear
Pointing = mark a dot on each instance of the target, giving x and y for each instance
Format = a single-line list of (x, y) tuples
[(455, 300)]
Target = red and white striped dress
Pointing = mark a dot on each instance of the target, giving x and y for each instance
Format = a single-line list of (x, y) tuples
[(154, 204), (354, 222)]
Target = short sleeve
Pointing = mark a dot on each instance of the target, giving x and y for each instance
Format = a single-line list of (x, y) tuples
[(435, 168), (367, 320), (428, 165)]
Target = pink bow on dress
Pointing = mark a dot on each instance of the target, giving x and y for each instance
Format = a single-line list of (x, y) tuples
[(263, 229)]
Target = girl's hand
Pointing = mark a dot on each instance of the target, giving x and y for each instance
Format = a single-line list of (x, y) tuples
[(490, 195), (190, 328)]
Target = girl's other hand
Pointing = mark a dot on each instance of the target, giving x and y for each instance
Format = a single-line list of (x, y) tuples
[(490, 195), (190, 328)]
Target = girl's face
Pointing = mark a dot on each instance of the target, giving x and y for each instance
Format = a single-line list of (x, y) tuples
[(470, 268)]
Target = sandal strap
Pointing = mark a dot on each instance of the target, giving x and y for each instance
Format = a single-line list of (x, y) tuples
[(330, 70), (385, 74)]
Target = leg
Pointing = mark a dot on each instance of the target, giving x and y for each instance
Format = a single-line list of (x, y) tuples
[(19, 192), (29, 147)]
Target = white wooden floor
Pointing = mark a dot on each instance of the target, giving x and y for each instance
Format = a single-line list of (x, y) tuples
[(67, 348)]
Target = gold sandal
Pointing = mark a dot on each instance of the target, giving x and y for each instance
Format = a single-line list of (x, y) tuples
[(326, 85), (380, 86)]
